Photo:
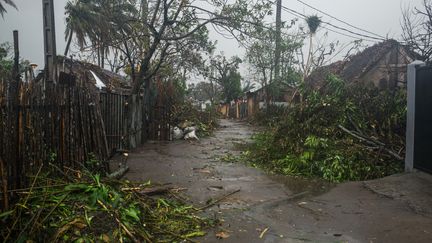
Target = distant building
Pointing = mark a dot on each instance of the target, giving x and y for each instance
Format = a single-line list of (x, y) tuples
[(384, 65)]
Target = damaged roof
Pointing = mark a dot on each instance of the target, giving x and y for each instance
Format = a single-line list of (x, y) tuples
[(358, 65), (103, 79)]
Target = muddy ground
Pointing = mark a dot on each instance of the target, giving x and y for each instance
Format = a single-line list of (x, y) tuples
[(269, 208)]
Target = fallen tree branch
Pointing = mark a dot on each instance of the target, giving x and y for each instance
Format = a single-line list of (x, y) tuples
[(119, 173), (371, 142), (155, 190), (70, 179), (218, 200)]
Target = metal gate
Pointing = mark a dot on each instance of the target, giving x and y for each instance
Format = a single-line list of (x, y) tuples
[(114, 114), (419, 122), (423, 120)]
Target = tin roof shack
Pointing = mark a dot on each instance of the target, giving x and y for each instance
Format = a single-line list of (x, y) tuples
[(383, 65), (112, 94), (98, 77)]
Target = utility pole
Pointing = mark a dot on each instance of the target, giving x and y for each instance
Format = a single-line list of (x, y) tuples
[(278, 40), (49, 41)]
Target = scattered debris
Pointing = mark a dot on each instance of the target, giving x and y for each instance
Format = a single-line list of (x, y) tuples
[(186, 133), (177, 133), (222, 235), (263, 233), (202, 170), (191, 136), (119, 173), (183, 125), (190, 129), (212, 202), (157, 190), (215, 188)]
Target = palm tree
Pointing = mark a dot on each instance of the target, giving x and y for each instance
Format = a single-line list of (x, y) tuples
[(96, 21), (2, 7), (313, 22), (112, 23), (79, 22)]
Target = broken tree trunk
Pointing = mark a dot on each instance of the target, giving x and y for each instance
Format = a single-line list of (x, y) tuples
[(371, 142), (119, 173)]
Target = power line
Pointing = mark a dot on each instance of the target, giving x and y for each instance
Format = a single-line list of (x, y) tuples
[(350, 36), (334, 26), (355, 27), (331, 30)]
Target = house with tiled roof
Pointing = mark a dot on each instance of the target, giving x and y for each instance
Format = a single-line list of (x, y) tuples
[(383, 65)]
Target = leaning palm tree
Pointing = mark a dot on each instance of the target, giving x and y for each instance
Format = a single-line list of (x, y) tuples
[(313, 22), (80, 21), (96, 21), (2, 7)]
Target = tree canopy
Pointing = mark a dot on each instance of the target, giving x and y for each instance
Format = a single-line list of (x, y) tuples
[(416, 26), (151, 34)]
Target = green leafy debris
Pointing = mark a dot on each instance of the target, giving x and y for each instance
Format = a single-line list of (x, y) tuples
[(93, 209), (306, 139)]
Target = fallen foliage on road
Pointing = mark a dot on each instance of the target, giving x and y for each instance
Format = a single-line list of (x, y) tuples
[(92, 209), (340, 132)]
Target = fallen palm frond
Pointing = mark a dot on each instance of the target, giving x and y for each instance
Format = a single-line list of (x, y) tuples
[(91, 209)]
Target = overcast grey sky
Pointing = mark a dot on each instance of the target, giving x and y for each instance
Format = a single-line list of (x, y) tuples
[(378, 16)]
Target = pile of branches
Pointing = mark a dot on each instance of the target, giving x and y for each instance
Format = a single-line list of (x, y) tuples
[(340, 132), (91, 209)]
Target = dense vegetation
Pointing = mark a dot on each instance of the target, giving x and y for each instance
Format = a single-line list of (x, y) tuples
[(341, 132)]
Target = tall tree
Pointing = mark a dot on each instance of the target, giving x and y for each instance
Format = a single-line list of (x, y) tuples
[(148, 36), (224, 73), (261, 60), (417, 29), (204, 91), (2, 6)]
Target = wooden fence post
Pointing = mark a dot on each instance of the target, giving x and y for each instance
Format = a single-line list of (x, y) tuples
[(49, 41), (16, 56), (4, 188)]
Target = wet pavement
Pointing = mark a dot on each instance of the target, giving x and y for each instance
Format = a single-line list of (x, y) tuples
[(271, 208)]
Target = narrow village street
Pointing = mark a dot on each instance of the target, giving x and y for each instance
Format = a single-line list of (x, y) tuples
[(216, 121), (269, 208)]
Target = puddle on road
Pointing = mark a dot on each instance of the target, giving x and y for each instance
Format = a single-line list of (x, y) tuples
[(300, 184)]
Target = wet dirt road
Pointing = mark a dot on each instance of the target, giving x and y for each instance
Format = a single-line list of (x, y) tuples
[(270, 208)]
